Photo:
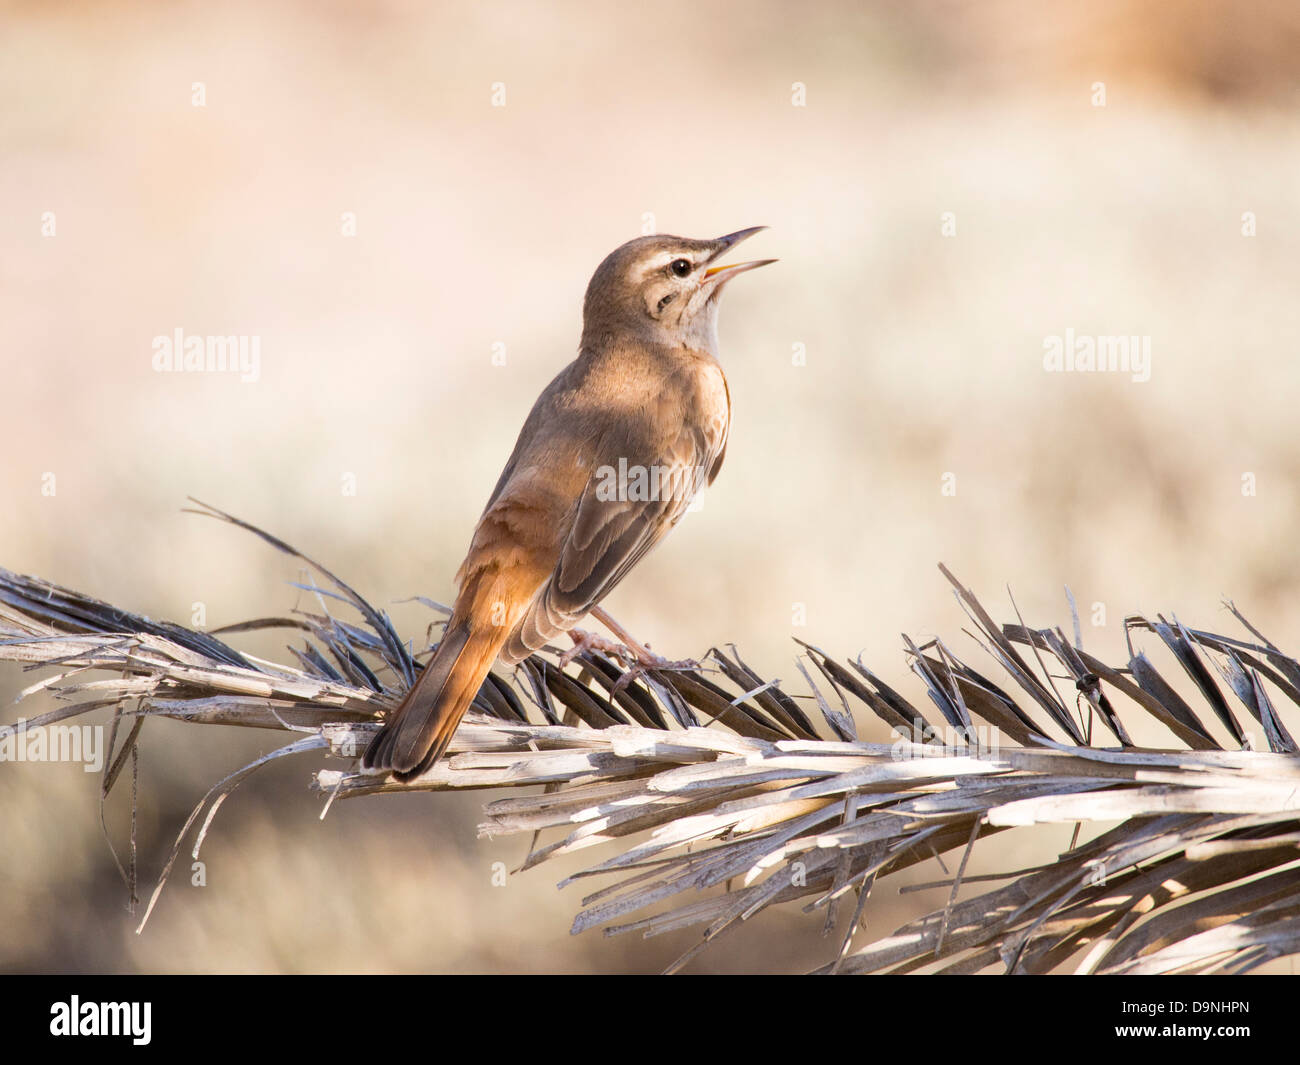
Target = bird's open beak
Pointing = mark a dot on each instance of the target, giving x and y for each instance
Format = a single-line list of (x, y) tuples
[(718, 274)]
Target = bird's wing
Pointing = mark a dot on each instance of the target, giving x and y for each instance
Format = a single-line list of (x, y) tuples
[(608, 536)]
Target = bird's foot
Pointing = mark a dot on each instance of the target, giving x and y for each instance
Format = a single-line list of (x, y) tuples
[(588, 641), (639, 658), (646, 661), (640, 669)]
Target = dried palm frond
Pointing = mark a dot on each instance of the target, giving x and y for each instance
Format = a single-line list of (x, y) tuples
[(720, 796)]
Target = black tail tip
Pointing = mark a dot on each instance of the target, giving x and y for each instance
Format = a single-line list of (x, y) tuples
[(405, 776), (378, 753), (379, 757)]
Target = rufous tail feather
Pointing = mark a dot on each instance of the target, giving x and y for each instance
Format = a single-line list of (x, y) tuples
[(418, 732)]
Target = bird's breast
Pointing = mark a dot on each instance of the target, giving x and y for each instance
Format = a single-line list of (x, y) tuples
[(713, 403)]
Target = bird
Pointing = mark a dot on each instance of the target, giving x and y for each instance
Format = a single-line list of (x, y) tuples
[(607, 462)]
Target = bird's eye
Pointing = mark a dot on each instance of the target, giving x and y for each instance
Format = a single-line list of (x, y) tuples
[(666, 300), (680, 267)]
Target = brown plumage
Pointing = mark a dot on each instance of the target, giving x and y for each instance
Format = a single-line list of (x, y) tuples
[(562, 528)]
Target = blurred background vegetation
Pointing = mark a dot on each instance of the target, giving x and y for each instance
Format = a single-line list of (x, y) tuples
[(479, 226)]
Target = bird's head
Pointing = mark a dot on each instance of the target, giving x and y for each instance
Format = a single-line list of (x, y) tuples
[(664, 288)]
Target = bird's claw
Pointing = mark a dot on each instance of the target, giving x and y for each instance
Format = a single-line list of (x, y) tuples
[(639, 660), (584, 641), (651, 662)]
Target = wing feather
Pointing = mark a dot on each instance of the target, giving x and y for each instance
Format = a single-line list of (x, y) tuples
[(608, 537)]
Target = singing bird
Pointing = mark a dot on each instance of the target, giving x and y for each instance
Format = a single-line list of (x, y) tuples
[(645, 399)]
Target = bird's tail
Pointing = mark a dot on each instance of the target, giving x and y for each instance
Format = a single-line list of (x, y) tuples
[(417, 733)]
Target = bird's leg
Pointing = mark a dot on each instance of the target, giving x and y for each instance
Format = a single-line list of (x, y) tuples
[(589, 641), (626, 648), (641, 653)]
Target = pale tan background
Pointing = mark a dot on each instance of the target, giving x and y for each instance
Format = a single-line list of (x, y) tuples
[(479, 224)]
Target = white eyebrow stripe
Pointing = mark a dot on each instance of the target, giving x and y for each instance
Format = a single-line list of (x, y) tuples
[(661, 260)]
